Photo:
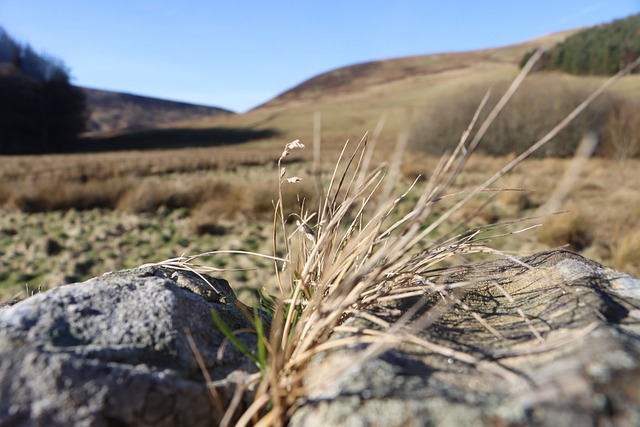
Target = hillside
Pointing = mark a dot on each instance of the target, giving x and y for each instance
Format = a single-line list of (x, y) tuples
[(359, 77), (352, 99), (115, 111)]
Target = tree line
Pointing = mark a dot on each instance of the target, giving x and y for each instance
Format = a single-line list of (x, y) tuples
[(600, 50), (40, 111)]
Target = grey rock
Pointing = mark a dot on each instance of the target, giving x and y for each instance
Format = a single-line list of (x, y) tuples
[(114, 351), (560, 345), (551, 339)]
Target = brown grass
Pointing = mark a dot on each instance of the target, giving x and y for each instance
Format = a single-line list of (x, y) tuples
[(626, 255), (46, 196), (356, 256), (621, 135), (205, 219), (571, 229), (518, 199), (245, 194), (543, 101)]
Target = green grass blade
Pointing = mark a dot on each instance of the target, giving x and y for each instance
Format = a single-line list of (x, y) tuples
[(262, 348), (232, 338)]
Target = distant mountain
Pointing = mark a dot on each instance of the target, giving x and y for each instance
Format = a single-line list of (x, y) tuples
[(114, 111)]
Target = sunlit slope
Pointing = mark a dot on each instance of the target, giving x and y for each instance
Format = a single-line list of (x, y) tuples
[(351, 100)]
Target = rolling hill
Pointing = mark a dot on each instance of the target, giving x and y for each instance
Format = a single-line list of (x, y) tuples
[(116, 111), (354, 99)]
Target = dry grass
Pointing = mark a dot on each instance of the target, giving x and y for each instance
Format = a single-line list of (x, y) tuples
[(205, 218), (118, 164), (626, 254), (46, 196), (519, 199), (350, 253), (541, 103), (572, 230)]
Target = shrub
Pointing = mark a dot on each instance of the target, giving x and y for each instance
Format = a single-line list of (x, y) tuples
[(540, 104), (621, 132)]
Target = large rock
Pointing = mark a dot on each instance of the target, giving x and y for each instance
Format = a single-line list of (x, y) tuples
[(552, 339), (114, 351)]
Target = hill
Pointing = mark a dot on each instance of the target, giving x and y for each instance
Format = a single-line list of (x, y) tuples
[(352, 100), (115, 111)]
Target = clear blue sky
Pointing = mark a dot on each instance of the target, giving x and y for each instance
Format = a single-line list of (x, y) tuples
[(238, 54)]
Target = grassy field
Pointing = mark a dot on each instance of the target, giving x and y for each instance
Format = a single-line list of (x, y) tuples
[(69, 217), (136, 208)]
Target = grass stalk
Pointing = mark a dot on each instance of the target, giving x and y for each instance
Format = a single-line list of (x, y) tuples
[(359, 257)]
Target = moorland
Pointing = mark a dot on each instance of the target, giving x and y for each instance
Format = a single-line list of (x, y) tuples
[(209, 183)]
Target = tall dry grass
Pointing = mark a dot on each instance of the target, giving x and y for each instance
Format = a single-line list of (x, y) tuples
[(540, 103), (348, 252)]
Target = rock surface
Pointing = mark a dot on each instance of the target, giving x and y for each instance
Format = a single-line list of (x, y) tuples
[(552, 339), (114, 351)]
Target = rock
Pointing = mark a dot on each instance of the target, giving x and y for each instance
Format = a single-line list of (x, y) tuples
[(114, 351), (562, 348), (551, 339)]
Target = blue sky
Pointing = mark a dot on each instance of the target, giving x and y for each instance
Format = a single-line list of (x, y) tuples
[(238, 54)]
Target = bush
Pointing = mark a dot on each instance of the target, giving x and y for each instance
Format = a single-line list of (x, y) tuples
[(621, 133), (540, 104)]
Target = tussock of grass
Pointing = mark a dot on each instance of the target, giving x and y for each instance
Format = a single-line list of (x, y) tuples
[(356, 256), (530, 115), (627, 252), (51, 196), (350, 251), (205, 220), (517, 198), (150, 194), (571, 229)]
